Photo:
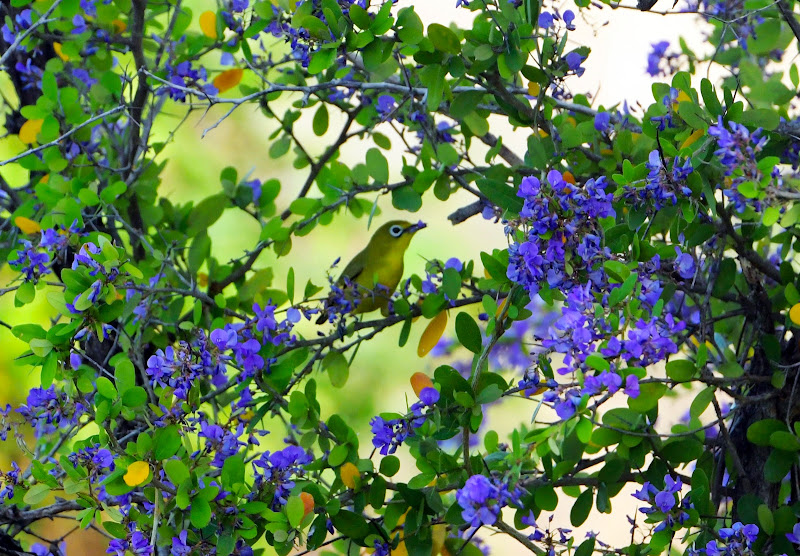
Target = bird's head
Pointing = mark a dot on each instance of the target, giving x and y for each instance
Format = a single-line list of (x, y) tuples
[(395, 235)]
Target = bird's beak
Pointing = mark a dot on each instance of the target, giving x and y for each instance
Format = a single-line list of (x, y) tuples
[(414, 228)]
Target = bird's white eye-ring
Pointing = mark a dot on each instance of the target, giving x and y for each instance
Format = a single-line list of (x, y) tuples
[(396, 231)]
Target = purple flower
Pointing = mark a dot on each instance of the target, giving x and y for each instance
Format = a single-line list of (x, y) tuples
[(568, 18), (179, 546), (684, 264), (655, 57), (632, 386), (481, 500), (574, 61), (385, 106), (794, 536), (602, 121), (545, 20)]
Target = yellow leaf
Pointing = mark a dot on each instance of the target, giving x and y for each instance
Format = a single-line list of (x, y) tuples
[(228, 79), (400, 550), (438, 536), (208, 24), (543, 133), (794, 313), (202, 279), (137, 473), (27, 225), (432, 334), (534, 88), (420, 381), (29, 131), (683, 97), (59, 52), (119, 26), (501, 308), (696, 134), (350, 475), (45, 178), (606, 152)]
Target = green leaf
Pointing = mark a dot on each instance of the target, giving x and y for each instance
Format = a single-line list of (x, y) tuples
[(444, 39), (761, 117), (106, 388), (335, 363), (351, 524), (26, 292), (176, 470), (206, 213), (409, 26), (166, 442), (295, 510), (581, 508), (377, 165), (783, 440), (232, 471), (135, 396), (200, 514), (500, 194), (731, 369), (681, 370), (760, 432), (320, 122), (37, 493), (390, 465), (468, 332)]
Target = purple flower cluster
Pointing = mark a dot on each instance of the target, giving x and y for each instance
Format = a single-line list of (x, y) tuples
[(733, 540), (278, 471), (135, 543), (183, 76), (8, 480), (481, 499), (562, 222), (737, 151), (97, 460), (34, 261), (658, 59), (389, 434), (667, 501), (661, 185), (49, 410)]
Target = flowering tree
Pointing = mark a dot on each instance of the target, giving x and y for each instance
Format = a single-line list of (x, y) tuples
[(650, 256)]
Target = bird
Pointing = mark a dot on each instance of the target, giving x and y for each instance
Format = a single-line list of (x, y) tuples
[(374, 273)]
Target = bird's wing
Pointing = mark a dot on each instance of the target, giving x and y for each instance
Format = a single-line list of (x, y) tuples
[(354, 268)]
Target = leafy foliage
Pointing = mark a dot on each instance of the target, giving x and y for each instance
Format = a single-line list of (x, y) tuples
[(650, 257)]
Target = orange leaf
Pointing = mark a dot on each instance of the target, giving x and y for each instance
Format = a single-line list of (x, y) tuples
[(568, 177), (308, 503), (137, 473), (420, 381), (228, 79), (696, 134), (29, 131), (27, 225), (350, 475), (208, 24), (119, 25), (59, 52), (432, 335)]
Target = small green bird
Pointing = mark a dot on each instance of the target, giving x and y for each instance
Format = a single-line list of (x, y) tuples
[(373, 275)]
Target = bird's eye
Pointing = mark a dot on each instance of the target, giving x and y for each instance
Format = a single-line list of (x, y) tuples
[(396, 231)]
